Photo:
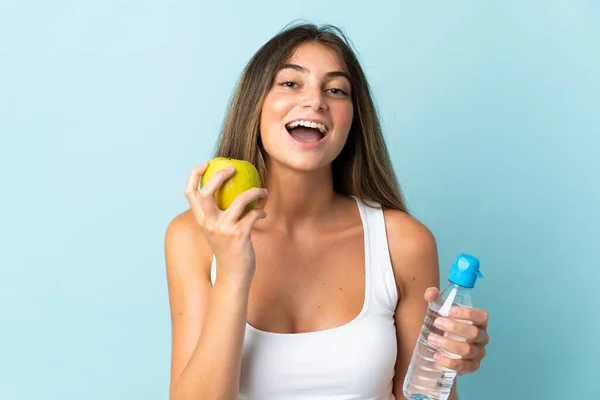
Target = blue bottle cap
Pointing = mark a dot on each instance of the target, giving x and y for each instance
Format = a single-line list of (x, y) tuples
[(465, 271)]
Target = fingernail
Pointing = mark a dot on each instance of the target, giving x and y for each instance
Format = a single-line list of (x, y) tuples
[(454, 311), (439, 323), (230, 169), (438, 357)]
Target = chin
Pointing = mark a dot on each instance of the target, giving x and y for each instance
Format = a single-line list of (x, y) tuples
[(301, 163)]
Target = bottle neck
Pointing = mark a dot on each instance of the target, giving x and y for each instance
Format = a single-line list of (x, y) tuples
[(457, 294), (452, 285)]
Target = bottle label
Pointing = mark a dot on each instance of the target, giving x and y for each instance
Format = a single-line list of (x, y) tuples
[(445, 309)]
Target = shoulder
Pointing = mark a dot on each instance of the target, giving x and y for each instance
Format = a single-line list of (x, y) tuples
[(413, 251), (407, 233), (184, 239), (183, 227)]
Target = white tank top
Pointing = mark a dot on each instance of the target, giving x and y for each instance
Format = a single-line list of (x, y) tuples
[(352, 361)]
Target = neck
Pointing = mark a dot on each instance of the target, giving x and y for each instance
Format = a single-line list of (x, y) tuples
[(297, 198)]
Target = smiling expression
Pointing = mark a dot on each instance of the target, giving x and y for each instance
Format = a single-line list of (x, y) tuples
[(307, 113)]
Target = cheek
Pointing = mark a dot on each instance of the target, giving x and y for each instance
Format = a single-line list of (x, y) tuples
[(343, 116), (275, 107)]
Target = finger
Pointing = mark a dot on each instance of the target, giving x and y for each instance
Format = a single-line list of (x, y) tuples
[(207, 193), (191, 188), (464, 349), (431, 293), (463, 329), (193, 180), (460, 365), (250, 219), (478, 316), (234, 212)]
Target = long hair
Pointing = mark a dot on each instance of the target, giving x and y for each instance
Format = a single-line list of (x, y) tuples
[(363, 168)]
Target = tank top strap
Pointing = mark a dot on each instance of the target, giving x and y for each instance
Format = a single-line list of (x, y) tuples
[(383, 290)]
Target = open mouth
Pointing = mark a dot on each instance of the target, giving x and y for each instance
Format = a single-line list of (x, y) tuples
[(306, 131)]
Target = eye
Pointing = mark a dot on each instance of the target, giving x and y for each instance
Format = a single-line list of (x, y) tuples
[(289, 84), (338, 92)]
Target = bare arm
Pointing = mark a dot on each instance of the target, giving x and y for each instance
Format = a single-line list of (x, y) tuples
[(413, 251), (208, 323), (187, 257)]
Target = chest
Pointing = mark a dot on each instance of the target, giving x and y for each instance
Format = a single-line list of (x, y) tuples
[(355, 361), (307, 283)]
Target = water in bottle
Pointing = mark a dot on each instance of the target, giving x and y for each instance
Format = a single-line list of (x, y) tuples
[(426, 379)]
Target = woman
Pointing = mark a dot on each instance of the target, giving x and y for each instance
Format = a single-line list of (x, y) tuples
[(319, 292)]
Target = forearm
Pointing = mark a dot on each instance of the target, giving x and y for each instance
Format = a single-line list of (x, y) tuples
[(213, 371), (454, 392)]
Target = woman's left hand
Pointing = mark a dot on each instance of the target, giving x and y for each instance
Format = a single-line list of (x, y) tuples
[(473, 350)]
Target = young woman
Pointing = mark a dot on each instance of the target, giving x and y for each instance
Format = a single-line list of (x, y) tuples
[(321, 291)]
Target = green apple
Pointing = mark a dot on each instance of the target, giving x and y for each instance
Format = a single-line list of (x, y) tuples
[(245, 177)]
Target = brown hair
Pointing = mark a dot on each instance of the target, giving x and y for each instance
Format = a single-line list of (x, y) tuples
[(363, 168)]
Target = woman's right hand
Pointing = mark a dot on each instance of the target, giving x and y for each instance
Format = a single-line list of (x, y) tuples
[(227, 232)]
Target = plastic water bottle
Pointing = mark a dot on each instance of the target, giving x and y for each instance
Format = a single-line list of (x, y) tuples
[(426, 379)]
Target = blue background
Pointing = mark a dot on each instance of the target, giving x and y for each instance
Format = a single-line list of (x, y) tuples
[(491, 114)]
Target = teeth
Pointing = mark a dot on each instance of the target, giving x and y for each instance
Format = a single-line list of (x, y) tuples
[(308, 124)]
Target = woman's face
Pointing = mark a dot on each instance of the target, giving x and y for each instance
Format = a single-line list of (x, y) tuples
[(307, 114)]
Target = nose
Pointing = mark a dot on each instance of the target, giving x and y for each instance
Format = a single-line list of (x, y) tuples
[(314, 98)]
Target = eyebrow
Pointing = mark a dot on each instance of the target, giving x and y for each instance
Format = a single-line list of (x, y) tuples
[(300, 68)]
